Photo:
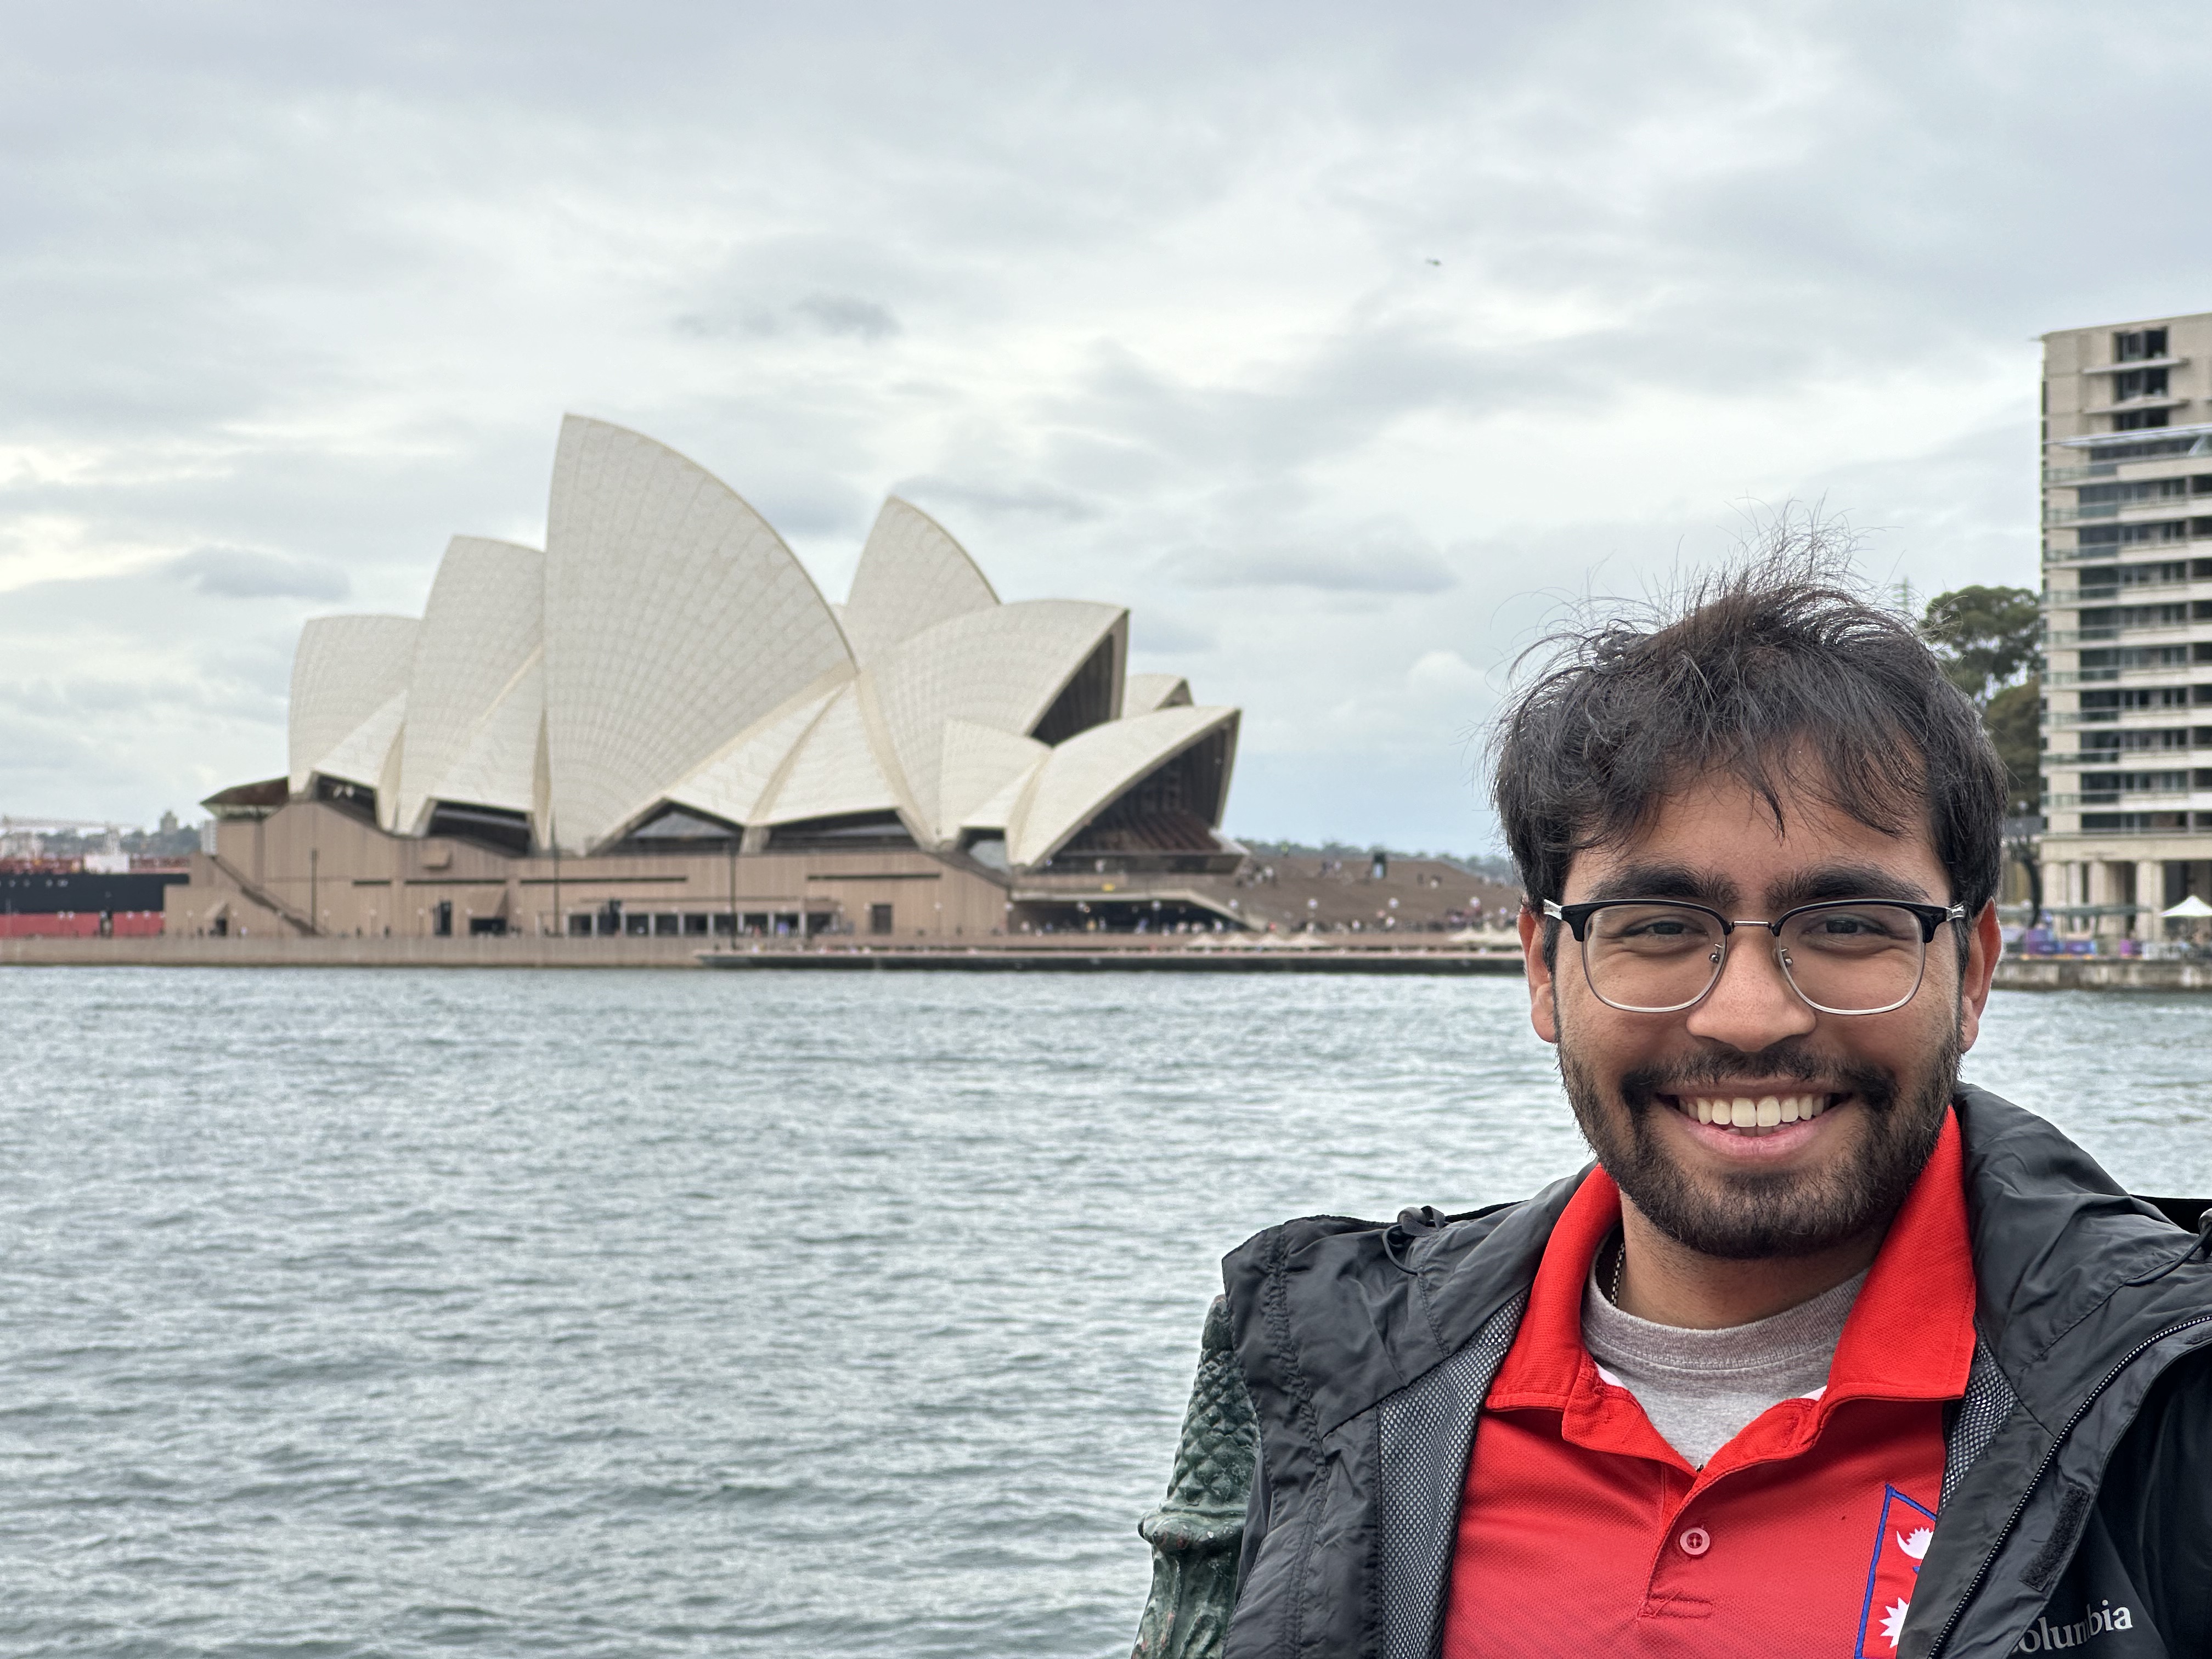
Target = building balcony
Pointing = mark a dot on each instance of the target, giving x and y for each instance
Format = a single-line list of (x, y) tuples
[(2148, 507), (2122, 759), (2072, 830), (2160, 401), (2096, 441), (2145, 798), (2125, 367), (2073, 598), (2062, 638), (2179, 673), (2129, 552), (2128, 720)]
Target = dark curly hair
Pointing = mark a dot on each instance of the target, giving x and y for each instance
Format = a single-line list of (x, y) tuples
[(1777, 672)]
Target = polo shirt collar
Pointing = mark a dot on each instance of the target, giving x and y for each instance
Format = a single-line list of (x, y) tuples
[(1909, 1335)]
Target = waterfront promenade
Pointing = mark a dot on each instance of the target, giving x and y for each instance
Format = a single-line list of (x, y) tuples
[(1076, 953), (1048, 953), (2101, 974)]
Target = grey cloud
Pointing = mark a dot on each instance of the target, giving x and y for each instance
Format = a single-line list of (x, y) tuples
[(99, 698), (1384, 559), (844, 314), (1946, 515), (851, 318), (236, 572), (1040, 499), (1167, 634), (816, 506), (797, 288), (122, 696), (1018, 258)]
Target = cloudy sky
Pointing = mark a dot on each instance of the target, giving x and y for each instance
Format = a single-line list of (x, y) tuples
[(1345, 346)]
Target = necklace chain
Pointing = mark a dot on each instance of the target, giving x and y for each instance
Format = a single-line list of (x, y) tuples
[(1619, 1259)]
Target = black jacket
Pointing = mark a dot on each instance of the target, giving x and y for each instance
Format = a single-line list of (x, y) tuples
[(2078, 1478)]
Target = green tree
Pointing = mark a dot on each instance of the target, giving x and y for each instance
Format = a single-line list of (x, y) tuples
[(1989, 641), (1987, 637), (2012, 717)]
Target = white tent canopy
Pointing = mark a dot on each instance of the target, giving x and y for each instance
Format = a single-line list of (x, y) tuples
[(2191, 908)]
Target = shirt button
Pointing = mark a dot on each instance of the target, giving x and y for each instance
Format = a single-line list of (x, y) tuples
[(1695, 1541)]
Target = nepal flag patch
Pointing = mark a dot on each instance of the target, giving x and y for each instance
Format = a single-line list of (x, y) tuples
[(1902, 1539)]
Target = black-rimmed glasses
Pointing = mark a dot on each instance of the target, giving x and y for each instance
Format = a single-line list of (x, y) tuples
[(1841, 957)]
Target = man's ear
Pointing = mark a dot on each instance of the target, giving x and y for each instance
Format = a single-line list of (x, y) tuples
[(1984, 944), (1543, 1011)]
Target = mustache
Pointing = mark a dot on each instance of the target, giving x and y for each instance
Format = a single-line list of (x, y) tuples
[(1642, 1085)]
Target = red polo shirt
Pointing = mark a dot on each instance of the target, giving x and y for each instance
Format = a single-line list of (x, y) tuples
[(1583, 1532)]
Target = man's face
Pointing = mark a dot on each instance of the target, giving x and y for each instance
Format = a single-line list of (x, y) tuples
[(1882, 1080)]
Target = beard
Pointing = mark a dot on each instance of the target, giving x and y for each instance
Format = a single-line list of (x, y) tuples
[(1744, 1216)]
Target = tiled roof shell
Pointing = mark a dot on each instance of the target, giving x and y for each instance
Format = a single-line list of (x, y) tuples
[(668, 651), (344, 671)]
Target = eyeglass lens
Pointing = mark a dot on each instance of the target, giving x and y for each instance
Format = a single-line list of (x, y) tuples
[(1843, 959)]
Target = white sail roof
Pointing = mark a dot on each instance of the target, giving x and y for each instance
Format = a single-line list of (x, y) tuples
[(979, 765), (499, 766), (365, 754), (912, 576), (1084, 774), (834, 772), (674, 616), (735, 784), (998, 809), (344, 669), (483, 623), (1144, 693), (1000, 668), (668, 647)]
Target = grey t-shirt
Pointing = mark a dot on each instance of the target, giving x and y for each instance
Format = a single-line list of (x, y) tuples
[(1700, 1388)]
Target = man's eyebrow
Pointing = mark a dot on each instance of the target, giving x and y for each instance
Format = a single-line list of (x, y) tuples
[(1666, 881), (1843, 881)]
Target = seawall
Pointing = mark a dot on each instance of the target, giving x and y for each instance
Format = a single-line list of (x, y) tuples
[(2101, 974), (1079, 959), (1048, 954), (280, 950)]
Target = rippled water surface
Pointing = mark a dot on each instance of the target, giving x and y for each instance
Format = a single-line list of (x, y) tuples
[(634, 1313)]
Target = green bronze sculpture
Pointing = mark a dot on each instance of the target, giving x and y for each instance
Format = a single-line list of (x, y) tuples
[(1196, 1535)]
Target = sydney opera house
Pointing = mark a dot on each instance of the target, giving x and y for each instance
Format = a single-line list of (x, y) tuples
[(659, 725)]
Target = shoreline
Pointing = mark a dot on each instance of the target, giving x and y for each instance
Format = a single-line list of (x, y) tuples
[(1089, 956), (1069, 953), (2101, 974)]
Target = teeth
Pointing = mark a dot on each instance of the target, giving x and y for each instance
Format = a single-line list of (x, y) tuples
[(1755, 1116)]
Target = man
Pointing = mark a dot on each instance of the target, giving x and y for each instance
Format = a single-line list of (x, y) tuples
[(1828, 1353)]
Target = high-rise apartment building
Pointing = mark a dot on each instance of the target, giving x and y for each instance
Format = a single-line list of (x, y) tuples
[(2127, 597)]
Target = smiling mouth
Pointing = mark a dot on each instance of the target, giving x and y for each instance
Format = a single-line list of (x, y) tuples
[(1753, 1114)]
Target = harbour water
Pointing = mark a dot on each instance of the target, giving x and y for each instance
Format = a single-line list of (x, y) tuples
[(632, 1313)]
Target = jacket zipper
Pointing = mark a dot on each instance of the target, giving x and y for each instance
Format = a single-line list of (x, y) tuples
[(2043, 1468)]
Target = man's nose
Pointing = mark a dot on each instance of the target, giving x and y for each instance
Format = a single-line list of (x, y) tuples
[(1752, 1007)]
